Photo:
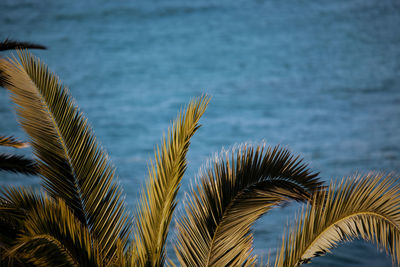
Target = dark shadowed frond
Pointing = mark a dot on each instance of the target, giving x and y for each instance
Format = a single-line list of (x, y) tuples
[(12, 142), (53, 236), (158, 198), (18, 164), (11, 44), (233, 193), (73, 165), (15, 203), (2, 79), (366, 207)]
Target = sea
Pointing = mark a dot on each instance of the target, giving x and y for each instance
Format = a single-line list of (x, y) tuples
[(320, 77)]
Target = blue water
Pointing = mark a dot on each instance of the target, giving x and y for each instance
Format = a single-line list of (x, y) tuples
[(321, 77)]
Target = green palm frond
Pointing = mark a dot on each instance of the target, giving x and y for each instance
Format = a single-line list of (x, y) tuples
[(72, 164), (12, 142), (232, 195), (158, 198), (11, 44), (53, 236), (365, 207), (18, 164)]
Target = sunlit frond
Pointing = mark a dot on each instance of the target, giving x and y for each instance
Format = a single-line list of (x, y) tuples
[(158, 199), (72, 164), (366, 207), (12, 142), (18, 164), (232, 195), (53, 236)]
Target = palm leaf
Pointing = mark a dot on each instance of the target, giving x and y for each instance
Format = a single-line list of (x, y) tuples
[(11, 44), (2, 79), (232, 195), (15, 203), (53, 236), (158, 198), (366, 207), (72, 164), (12, 142), (18, 164)]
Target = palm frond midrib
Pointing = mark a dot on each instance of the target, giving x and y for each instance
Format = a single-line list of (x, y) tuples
[(82, 214), (158, 200), (73, 164)]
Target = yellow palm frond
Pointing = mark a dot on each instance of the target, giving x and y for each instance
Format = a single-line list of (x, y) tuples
[(16, 163), (366, 207), (72, 164), (12, 142), (232, 195), (158, 199)]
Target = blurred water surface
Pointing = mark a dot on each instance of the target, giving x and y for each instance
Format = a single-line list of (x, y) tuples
[(321, 77)]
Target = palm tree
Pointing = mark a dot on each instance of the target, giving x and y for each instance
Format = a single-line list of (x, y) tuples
[(78, 218)]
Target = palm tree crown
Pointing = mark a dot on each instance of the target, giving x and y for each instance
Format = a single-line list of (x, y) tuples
[(79, 218)]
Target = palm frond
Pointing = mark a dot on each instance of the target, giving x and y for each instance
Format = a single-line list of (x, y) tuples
[(53, 236), (11, 44), (158, 198), (15, 203), (2, 79), (18, 164), (232, 195), (365, 207), (12, 142), (72, 164)]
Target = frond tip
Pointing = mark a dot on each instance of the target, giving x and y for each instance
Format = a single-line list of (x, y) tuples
[(366, 207), (158, 199), (232, 195), (8, 44), (12, 142), (18, 164)]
